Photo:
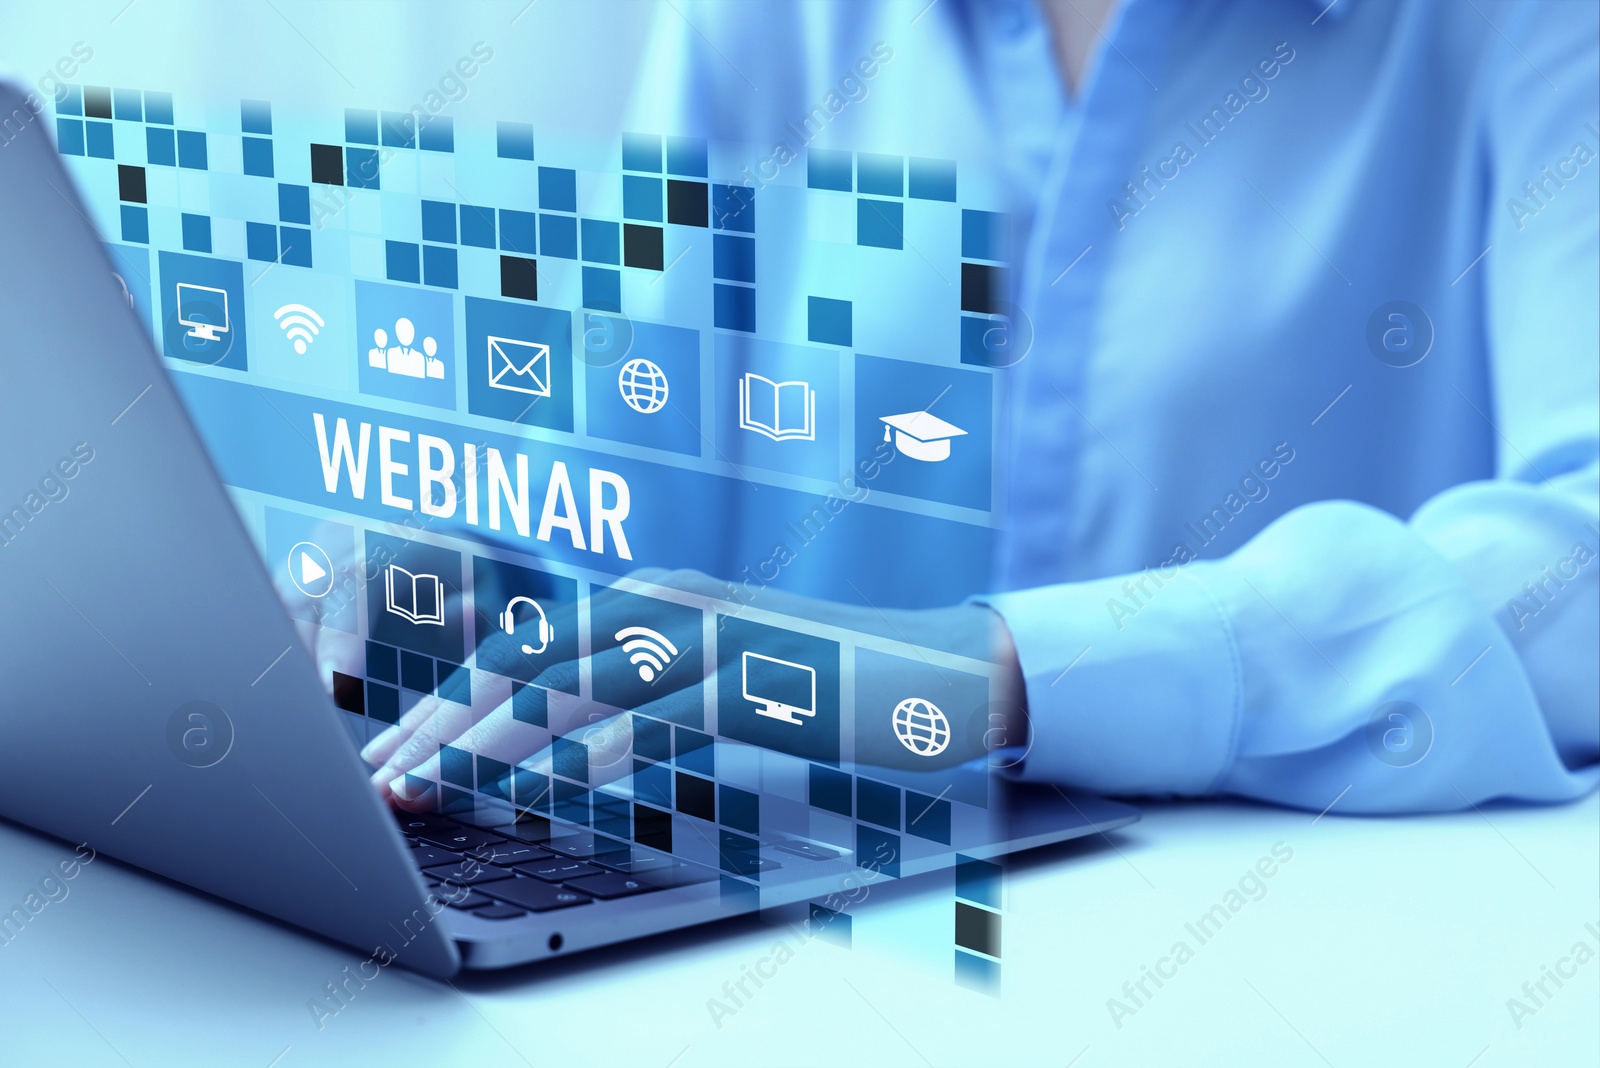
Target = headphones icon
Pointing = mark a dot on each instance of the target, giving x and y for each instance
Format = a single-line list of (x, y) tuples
[(508, 622)]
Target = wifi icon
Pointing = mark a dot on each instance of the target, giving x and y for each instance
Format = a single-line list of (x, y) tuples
[(648, 650), (299, 324)]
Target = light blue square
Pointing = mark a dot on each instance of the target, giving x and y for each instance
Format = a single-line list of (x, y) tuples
[(514, 140), (933, 179), (99, 141), (69, 136), (258, 156), (602, 242), (828, 169), (880, 223), (255, 117), (641, 197), (438, 221), (686, 156), (829, 321), (127, 104), (160, 146), (880, 175), (158, 108), (196, 233), (438, 134), (558, 236), (641, 152), (192, 149), (135, 224), (360, 127), (558, 189), (400, 261), (361, 168)]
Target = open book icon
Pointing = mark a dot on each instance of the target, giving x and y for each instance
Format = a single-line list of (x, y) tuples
[(782, 411), (415, 598)]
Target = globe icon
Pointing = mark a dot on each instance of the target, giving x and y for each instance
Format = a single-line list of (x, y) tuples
[(643, 386), (921, 727)]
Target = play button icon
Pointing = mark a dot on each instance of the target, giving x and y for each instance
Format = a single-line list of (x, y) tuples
[(310, 569)]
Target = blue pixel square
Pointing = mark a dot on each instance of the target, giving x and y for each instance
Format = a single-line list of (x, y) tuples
[(455, 683), (733, 207), (399, 130), (641, 197), (878, 851), (400, 261), (979, 974), (652, 783), (160, 146), (416, 671), (829, 321), (878, 803), (558, 236), (439, 266), (361, 168), (733, 258), (197, 232), (932, 179), (136, 223), (830, 789), (517, 232), (514, 140), (641, 152), (98, 143), (880, 175), (438, 221), (828, 168), (530, 704), (69, 136), (191, 149), (261, 241), (695, 751), (477, 226), (294, 243), (127, 104), (437, 134), (981, 233), (158, 108), (928, 817), (455, 765), (570, 759), (978, 880), (383, 663), (360, 127), (383, 703), (602, 241), (734, 308), (294, 204), (258, 156), (880, 223), (739, 809), (602, 289), (652, 738), (255, 117), (558, 189), (69, 99), (686, 156), (494, 776)]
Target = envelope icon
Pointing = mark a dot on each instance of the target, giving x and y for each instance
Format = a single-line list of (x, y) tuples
[(519, 366)]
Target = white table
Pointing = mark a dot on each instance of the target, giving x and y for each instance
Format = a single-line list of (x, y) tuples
[(1383, 941)]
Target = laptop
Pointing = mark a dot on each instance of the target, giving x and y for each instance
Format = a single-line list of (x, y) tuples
[(161, 708)]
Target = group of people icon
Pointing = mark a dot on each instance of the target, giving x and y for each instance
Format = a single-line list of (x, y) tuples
[(400, 358)]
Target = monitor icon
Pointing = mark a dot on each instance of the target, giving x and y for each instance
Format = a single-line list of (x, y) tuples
[(204, 310), (780, 689)]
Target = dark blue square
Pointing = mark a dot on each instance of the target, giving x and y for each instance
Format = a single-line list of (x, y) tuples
[(828, 168), (514, 140), (558, 189), (160, 146), (981, 233), (880, 175), (399, 129), (69, 137), (641, 152), (360, 127), (258, 156), (878, 802), (494, 777), (570, 759), (641, 197), (734, 308), (652, 739), (383, 703), (733, 207), (880, 223), (136, 223), (933, 179), (197, 232), (477, 226), (416, 671), (439, 266), (829, 321), (978, 880), (558, 236), (695, 751), (98, 142), (928, 817), (261, 241), (455, 766), (361, 168), (69, 99), (530, 704), (191, 149), (255, 117), (602, 289), (438, 221), (878, 851), (400, 261), (158, 108), (830, 789), (739, 809), (602, 241), (383, 663), (127, 104), (530, 789), (733, 258), (438, 134), (294, 244), (294, 204), (652, 783), (455, 682), (686, 156), (517, 230)]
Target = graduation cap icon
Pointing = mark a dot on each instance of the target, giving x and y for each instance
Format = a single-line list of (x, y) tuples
[(920, 435)]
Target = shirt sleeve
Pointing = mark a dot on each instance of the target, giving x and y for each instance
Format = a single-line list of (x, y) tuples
[(1348, 655)]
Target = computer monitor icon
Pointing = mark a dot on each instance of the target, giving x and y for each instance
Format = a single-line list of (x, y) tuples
[(780, 689), (204, 310)]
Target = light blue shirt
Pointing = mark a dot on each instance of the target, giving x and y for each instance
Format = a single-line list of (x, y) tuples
[(1300, 469)]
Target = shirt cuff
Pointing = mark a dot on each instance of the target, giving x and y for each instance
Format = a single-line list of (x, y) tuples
[(1132, 682)]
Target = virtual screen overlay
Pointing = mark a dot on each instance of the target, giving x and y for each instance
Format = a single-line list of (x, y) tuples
[(620, 470)]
